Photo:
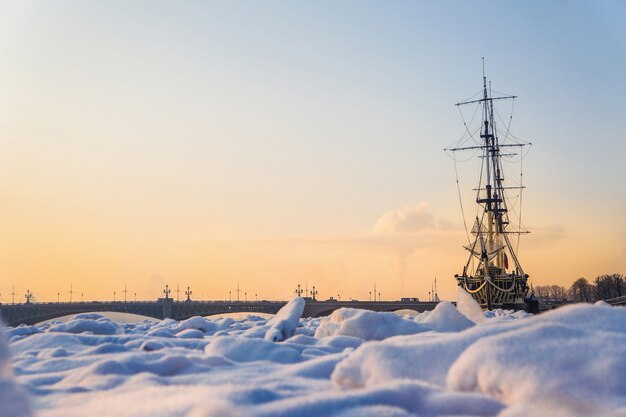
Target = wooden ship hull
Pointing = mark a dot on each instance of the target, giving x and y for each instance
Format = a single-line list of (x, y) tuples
[(507, 291)]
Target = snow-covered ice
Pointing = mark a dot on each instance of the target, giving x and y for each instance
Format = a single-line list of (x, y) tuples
[(366, 325), (13, 399), (452, 361)]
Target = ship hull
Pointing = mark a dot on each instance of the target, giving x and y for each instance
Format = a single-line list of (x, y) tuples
[(504, 291)]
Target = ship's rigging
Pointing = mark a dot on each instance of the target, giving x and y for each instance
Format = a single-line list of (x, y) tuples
[(493, 273)]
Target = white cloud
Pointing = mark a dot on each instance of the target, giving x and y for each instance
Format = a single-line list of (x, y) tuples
[(405, 220)]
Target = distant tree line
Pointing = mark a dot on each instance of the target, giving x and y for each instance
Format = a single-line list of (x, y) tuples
[(602, 288)]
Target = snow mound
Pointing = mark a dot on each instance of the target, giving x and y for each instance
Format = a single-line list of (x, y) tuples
[(365, 325), (82, 323), (563, 354), (190, 334), (446, 318), (283, 325), (160, 332), (397, 399), (21, 331), (243, 349), (500, 314), (197, 323), (88, 316), (469, 307), (13, 401), (280, 327), (425, 356)]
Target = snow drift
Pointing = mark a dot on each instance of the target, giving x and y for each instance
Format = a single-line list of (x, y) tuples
[(446, 362), (13, 400)]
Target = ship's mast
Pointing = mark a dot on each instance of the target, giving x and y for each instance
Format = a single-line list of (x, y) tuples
[(494, 282), (491, 233), (487, 136)]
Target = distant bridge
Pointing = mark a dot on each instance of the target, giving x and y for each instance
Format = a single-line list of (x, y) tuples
[(32, 313)]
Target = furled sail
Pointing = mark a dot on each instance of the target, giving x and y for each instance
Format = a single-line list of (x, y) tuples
[(478, 228), (492, 249)]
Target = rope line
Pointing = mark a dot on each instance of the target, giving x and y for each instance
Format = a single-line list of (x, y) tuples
[(521, 193), (458, 188)]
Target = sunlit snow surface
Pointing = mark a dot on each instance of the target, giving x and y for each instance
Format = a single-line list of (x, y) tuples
[(567, 362)]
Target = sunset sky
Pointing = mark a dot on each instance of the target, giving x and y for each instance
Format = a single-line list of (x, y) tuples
[(276, 143)]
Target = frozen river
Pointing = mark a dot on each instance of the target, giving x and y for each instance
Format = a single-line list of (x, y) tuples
[(452, 361)]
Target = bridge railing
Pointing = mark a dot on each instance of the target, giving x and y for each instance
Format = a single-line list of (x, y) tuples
[(53, 303), (30, 313)]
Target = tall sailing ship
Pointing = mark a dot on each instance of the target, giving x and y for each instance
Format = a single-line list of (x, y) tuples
[(493, 274)]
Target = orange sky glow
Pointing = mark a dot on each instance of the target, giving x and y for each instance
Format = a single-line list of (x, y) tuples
[(214, 146)]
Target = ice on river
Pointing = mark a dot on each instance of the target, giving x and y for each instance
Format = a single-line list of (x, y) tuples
[(452, 361)]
